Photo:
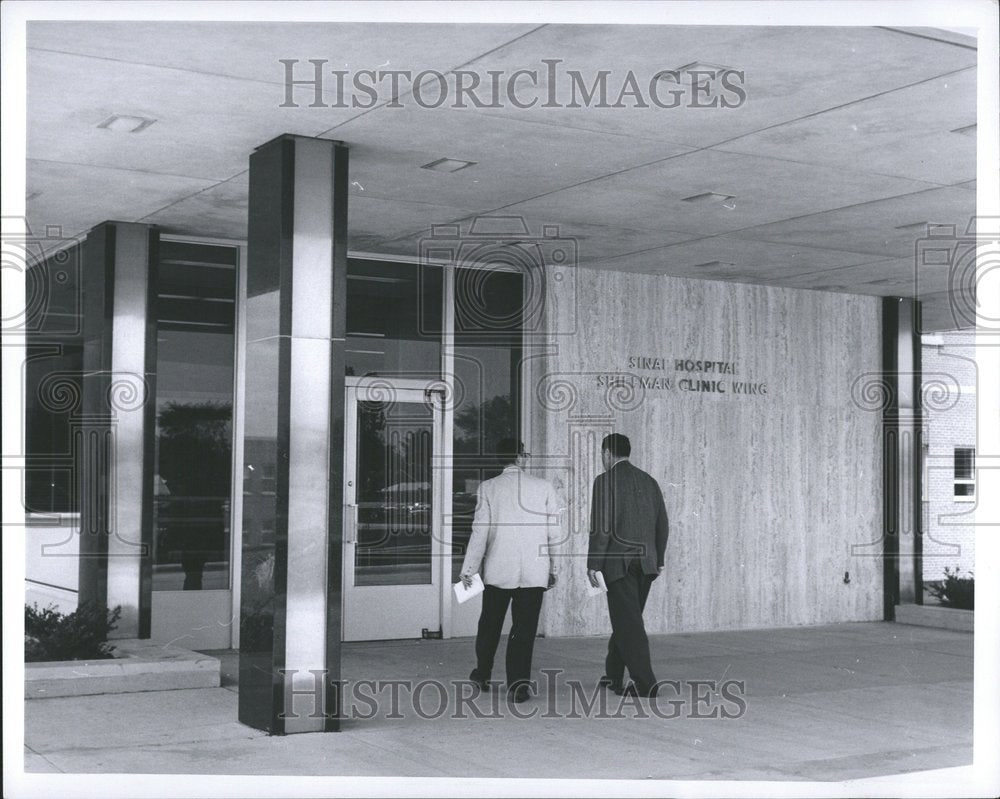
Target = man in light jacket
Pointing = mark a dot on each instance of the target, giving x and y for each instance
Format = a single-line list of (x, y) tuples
[(514, 534)]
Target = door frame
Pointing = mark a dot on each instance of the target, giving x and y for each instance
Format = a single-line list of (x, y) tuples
[(432, 392), (530, 364)]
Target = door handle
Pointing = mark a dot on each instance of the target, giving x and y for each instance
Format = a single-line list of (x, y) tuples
[(350, 524)]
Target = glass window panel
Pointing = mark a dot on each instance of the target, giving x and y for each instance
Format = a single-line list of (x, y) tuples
[(53, 392), (53, 384), (195, 313), (964, 463), (487, 373), (394, 494), (393, 319)]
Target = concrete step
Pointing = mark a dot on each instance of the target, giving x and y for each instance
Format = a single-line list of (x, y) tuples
[(138, 665)]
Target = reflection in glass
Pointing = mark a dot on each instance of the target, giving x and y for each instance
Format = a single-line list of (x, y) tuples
[(196, 292), (394, 494), (53, 383), (393, 319), (488, 322)]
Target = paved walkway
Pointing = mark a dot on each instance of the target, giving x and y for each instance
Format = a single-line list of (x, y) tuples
[(821, 703)]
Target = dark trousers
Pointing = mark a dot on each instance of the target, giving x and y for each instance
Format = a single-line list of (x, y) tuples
[(629, 645), (526, 604)]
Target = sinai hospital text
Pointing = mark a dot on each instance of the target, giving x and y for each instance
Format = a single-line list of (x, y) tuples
[(701, 375)]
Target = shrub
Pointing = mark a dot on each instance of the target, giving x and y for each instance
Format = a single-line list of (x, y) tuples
[(954, 591), (80, 635)]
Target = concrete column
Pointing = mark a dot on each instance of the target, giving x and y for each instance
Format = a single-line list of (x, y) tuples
[(290, 614), (114, 441), (901, 430)]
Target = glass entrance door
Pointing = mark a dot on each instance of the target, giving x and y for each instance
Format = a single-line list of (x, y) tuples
[(393, 546)]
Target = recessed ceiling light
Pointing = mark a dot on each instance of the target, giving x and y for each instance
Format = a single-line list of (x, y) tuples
[(930, 227), (448, 165), (968, 130), (126, 124), (708, 197), (714, 265), (700, 70)]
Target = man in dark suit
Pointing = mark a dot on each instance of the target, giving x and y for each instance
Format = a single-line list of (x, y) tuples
[(628, 538)]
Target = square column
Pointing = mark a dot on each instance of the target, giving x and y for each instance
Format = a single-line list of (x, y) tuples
[(290, 614), (114, 436)]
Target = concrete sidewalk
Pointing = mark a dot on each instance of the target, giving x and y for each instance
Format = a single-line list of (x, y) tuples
[(821, 703)]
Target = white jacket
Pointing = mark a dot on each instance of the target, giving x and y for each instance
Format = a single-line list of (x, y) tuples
[(515, 531)]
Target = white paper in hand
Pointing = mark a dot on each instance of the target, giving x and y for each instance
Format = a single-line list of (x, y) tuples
[(462, 593), (602, 587)]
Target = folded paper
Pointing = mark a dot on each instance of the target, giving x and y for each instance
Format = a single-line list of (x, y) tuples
[(602, 587), (463, 594)]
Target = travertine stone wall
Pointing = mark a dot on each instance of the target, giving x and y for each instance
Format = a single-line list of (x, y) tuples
[(772, 495)]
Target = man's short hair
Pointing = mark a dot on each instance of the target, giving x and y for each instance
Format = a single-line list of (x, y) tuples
[(507, 450), (618, 445)]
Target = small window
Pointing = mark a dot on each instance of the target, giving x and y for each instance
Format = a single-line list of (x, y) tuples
[(53, 398), (965, 474)]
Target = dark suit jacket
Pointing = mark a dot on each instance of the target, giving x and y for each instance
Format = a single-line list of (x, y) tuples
[(627, 520)]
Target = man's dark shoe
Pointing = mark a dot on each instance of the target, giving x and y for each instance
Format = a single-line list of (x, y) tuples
[(607, 682), (521, 693), (631, 690), (479, 680)]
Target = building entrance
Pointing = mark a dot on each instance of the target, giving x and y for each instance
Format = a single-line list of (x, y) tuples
[(394, 547)]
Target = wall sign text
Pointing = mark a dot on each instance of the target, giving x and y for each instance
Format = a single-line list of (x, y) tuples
[(694, 375)]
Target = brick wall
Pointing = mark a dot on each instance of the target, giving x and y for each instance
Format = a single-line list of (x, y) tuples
[(949, 422)]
